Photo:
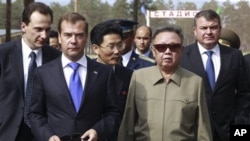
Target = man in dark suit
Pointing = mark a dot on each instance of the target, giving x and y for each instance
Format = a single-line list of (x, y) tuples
[(142, 40), (226, 93), (106, 40), (86, 109), (129, 58), (14, 62), (247, 60)]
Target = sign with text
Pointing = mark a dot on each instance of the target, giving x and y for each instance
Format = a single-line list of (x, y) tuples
[(173, 13)]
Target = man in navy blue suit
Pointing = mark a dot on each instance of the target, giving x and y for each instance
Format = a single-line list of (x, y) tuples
[(231, 91), (14, 63), (129, 58), (54, 113), (247, 60)]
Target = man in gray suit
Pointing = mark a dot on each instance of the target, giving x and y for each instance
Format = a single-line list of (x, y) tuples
[(166, 102), (14, 63)]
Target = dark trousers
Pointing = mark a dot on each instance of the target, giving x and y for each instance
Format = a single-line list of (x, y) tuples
[(24, 133)]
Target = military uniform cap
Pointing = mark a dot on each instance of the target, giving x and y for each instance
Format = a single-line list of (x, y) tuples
[(126, 25), (229, 38)]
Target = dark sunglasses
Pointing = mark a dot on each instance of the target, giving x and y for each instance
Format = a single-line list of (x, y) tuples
[(164, 47)]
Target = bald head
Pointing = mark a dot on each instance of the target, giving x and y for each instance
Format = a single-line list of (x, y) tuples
[(142, 39)]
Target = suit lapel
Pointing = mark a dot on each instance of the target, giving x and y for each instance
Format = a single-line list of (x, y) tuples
[(16, 60), (133, 61), (118, 82), (91, 77), (57, 74), (196, 61), (225, 65), (197, 65)]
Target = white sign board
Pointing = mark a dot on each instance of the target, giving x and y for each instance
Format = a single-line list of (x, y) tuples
[(173, 13)]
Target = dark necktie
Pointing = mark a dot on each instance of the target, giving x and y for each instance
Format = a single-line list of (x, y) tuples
[(75, 86), (29, 87), (210, 69)]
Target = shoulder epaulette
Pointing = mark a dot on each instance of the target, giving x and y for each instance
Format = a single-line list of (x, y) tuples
[(147, 59)]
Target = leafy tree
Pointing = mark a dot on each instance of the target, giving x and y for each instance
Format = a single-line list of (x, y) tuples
[(2, 15), (58, 11), (16, 15), (242, 24), (120, 10)]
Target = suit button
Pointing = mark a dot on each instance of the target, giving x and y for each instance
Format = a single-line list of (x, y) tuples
[(213, 113)]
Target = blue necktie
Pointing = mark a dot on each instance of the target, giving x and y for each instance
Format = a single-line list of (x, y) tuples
[(75, 86), (210, 69), (29, 87)]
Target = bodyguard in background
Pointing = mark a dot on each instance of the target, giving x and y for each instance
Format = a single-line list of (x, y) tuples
[(15, 77), (223, 71), (130, 59), (74, 96), (142, 40)]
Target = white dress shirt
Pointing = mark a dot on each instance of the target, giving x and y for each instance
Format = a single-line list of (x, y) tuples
[(67, 70), (26, 50), (215, 58)]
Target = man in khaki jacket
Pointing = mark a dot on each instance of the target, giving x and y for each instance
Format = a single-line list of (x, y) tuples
[(166, 102)]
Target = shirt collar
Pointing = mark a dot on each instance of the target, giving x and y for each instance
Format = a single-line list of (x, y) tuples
[(82, 61), (26, 50), (203, 50), (146, 54), (175, 78)]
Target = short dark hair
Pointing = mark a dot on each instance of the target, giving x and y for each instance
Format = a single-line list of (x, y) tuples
[(72, 18), (102, 29), (170, 28), (36, 6), (208, 15)]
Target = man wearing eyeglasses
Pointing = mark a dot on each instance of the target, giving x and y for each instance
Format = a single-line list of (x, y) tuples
[(106, 39), (166, 102), (223, 71), (129, 58)]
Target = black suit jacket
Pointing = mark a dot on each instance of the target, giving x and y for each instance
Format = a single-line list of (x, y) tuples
[(136, 62), (247, 60), (12, 86), (52, 109), (122, 81), (231, 90)]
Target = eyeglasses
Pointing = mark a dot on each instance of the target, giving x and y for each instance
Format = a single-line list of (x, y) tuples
[(163, 47), (112, 46)]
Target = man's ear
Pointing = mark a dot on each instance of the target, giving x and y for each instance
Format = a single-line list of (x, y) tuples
[(23, 27), (95, 47)]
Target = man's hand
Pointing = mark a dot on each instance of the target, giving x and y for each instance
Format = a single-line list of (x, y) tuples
[(90, 135), (54, 138)]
